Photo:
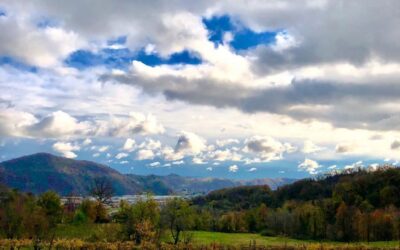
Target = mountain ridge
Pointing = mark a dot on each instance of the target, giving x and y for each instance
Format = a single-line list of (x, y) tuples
[(40, 172)]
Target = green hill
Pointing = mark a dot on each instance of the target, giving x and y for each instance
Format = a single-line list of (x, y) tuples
[(40, 172)]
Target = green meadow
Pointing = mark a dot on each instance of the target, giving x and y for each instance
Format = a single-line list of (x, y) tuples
[(201, 237), (105, 231)]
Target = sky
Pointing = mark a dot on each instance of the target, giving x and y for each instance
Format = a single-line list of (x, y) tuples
[(242, 89)]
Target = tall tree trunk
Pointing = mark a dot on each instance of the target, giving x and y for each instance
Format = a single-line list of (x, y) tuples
[(177, 237)]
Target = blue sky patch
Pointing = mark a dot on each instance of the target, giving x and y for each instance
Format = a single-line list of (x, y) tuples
[(2, 12), (246, 38), (243, 38), (183, 57), (5, 60), (121, 58), (217, 26)]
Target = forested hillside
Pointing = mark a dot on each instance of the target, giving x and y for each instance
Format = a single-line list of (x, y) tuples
[(236, 198), (41, 172), (353, 205)]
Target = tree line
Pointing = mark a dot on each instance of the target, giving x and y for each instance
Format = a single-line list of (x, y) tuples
[(359, 205), (26, 216), (355, 205)]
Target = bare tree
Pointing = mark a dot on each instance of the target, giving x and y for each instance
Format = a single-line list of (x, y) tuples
[(102, 190)]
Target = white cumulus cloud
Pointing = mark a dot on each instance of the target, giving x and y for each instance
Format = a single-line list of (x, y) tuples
[(190, 144), (145, 154), (266, 148), (233, 168), (309, 165), (66, 149)]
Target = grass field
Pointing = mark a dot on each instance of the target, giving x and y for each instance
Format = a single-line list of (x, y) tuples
[(200, 237), (91, 232), (102, 231)]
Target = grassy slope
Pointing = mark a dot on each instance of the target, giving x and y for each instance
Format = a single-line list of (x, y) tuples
[(203, 238)]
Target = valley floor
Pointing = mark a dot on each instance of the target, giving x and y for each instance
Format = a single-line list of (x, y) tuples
[(98, 231)]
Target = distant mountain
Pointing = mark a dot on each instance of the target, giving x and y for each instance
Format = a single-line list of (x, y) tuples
[(189, 185), (175, 184), (40, 172)]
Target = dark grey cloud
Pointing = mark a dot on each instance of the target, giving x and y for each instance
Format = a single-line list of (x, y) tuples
[(395, 145), (351, 105), (6, 103), (341, 31), (344, 148)]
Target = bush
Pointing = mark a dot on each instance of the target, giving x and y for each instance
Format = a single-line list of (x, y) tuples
[(80, 218)]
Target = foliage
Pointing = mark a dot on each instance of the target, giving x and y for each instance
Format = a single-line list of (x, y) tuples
[(359, 205), (91, 212), (51, 205), (26, 216), (177, 216), (140, 220), (236, 198)]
